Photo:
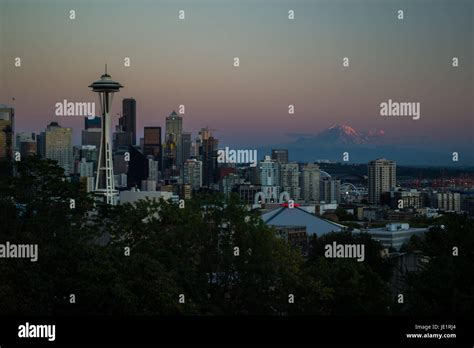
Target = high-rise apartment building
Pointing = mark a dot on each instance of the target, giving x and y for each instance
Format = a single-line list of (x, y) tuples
[(269, 171), (290, 180), (310, 177), (192, 173), (382, 177)]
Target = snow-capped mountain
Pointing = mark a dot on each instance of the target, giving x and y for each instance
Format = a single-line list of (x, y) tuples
[(343, 135)]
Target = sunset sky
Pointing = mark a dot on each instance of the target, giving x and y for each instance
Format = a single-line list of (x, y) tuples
[(282, 62)]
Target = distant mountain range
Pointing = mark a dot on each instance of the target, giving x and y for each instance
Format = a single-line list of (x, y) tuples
[(331, 143)]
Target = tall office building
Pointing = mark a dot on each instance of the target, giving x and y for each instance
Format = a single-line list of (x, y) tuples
[(290, 180), (23, 137), (92, 132), (209, 161), (310, 176), (152, 144), (26, 144), (186, 142), (205, 133), (192, 173), (280, 155), (196, 147), (128, 121), (269, 173), (169, 158), (58, 146), (382, 177), (174, 132), (40, 145), (91, 136), (121, 140), (7, 128), (120, 162), (94, 122)]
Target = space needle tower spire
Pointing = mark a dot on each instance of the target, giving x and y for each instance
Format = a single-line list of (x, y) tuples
[(105, 184)]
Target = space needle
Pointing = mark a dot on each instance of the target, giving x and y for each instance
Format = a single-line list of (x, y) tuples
[(105, 184)]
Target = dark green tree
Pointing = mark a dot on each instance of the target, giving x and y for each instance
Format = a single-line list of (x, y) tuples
[(445, 283)]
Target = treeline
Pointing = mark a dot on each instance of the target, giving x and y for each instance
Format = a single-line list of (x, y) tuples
[(210, 257)]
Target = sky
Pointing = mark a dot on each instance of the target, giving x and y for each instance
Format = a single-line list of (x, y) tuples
[(282, 62)]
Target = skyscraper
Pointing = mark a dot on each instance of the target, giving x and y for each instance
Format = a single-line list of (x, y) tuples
[(174, 131), (186, 142), (209, 161), (280, 155), (91, 136), (26, 144), (205, 133), (128, 121), (92, 131), (382, 177), (152, 144), (41, 145), (121, 140), (270, 179), (310, 176), (192, 173), (58, 146), (7, 128), (169, 158), (290, 180)]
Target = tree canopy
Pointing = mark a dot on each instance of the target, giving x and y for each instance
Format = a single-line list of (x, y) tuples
[(211, 257)]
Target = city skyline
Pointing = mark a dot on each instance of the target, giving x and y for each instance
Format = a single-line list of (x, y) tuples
[(173, 69), (232, 161)]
